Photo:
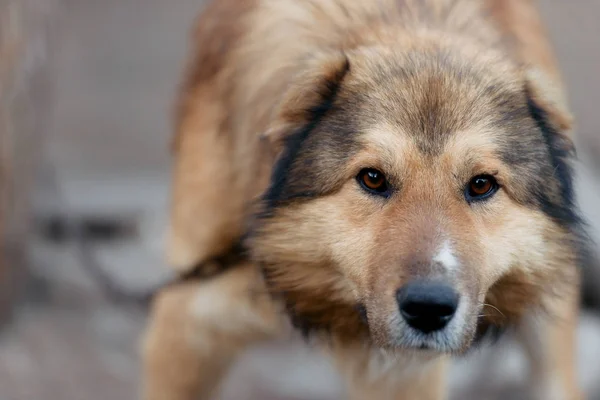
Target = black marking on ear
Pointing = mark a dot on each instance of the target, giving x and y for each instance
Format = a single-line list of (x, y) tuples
[(561, 151), (293, 143), (566, 213)]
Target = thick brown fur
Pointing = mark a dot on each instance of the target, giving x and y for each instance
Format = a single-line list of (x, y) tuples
[(283, 103)]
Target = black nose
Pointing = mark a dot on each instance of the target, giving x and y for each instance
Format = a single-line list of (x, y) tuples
[(427, 306)]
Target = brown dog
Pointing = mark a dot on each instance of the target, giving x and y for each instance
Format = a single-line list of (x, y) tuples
[(397, 172)]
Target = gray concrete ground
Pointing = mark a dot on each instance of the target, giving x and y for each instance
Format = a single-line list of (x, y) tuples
[(118, 63)]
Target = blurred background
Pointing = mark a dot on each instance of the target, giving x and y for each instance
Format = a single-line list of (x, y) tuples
[(86, 88)]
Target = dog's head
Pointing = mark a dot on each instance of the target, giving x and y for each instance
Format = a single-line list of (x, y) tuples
[(418, 196)]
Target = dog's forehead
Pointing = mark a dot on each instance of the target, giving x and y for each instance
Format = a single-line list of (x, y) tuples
[(392, 147), (432, 99)]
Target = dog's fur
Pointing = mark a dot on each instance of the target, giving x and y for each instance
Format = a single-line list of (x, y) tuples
[(283, 103)]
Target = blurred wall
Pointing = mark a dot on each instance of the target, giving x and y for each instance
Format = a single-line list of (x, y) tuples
[(24, 105)]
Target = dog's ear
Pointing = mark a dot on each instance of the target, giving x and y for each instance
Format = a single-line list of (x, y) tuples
[(308, 98), (520, 22), (548, 106)]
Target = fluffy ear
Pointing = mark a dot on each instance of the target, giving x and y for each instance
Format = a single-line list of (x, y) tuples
[(308, 98), (548, 106), (520, 22)]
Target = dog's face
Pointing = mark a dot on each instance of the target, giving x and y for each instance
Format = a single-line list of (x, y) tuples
[(418, 196)]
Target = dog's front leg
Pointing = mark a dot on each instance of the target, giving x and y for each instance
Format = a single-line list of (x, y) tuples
[(374, 376), (427, 385), (550, 342), (198, 328)]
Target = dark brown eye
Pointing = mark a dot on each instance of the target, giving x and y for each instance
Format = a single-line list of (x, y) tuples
[(481, 187), (373, 181)]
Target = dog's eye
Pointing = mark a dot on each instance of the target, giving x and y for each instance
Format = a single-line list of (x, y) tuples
[(373, 181), (481, 187)]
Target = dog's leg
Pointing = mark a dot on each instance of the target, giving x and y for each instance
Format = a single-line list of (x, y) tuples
[(550, 342), (371, 375), (430, 384), (198, 328)]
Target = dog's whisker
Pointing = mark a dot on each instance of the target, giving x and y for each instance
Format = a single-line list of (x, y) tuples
[(494, 308)]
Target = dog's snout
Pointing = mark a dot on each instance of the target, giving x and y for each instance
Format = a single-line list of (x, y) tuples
[(427, 306)]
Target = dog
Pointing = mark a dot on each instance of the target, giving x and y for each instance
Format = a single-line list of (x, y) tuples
[(391, 178)]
